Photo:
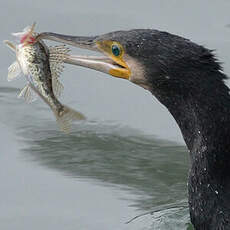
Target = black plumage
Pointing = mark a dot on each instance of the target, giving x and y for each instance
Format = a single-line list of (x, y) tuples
[(188, 80)]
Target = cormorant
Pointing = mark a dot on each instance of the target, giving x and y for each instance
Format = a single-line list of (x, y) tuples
[(188, 80)]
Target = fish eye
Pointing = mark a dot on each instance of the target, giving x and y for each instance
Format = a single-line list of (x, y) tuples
[(116, 50)]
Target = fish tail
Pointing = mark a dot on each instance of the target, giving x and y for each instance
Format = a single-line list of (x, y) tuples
[(66, 117)]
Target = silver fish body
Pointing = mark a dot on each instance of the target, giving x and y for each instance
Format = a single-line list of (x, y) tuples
[(34, 62), (42, 66)]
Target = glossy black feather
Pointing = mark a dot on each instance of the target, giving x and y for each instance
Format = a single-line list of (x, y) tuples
[(188, 80)]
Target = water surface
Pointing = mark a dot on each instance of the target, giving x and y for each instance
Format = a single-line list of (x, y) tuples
[(128, 157)]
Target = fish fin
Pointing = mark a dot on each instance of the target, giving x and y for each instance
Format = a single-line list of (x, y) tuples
[(28, 94), (57, 86), (28, 32), (14, 71), (65, 119), (25, 31), (10, 45), (57, 55)]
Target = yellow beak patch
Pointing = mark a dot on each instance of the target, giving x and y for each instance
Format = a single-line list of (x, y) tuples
[(116, 52)]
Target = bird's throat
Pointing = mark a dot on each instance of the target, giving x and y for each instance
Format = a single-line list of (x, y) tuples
[(203, 116)]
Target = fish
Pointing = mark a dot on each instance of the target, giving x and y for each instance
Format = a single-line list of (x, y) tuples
[(41, 65)]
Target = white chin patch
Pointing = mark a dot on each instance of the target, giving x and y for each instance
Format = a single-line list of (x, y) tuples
[(137, 72)]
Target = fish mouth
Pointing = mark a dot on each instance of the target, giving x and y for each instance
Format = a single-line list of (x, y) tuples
[(104, 63)]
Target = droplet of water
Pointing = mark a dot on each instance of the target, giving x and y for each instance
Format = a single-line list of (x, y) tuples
[(204, 148)]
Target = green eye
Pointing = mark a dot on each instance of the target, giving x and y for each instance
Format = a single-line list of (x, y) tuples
[(116, 50)]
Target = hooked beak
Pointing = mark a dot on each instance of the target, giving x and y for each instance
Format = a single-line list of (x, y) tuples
[(100, 63)]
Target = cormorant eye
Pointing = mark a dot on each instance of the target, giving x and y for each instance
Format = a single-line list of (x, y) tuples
[(116, 50)]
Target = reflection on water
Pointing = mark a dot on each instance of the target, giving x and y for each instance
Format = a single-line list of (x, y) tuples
[(4, 90), (154, 170), (145, 165)]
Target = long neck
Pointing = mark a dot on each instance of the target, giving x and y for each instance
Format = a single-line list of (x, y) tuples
[(203, 115)]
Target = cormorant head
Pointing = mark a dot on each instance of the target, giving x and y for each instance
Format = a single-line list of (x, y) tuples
[(187, 79), (165, 64)]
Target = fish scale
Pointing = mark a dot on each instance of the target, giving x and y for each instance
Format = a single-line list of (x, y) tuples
[(42, 67)]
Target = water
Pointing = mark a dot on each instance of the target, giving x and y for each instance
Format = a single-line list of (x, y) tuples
[(128, 158)]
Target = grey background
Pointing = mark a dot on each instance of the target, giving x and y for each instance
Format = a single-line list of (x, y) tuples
[(129, 156)]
